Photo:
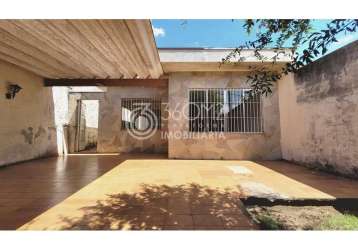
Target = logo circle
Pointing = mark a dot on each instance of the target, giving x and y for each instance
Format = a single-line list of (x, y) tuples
[(144, 123)]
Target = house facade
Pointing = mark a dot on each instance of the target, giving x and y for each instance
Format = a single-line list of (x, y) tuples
[(230, 126), (203, 110), (291, 123), (181, 102)]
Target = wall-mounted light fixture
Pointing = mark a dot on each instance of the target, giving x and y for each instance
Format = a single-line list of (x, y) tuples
[(12, 90)]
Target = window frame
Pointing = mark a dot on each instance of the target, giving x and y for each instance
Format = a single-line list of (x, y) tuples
[(157, 101), (261, 117)]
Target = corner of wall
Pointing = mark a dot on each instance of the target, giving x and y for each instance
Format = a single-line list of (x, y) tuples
[(29, 123)]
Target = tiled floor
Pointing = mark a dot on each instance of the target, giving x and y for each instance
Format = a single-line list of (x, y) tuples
[(143, 193), (30, 188), (334, 186)]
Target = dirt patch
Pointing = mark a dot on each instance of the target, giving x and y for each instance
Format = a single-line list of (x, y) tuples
[(291, 217)]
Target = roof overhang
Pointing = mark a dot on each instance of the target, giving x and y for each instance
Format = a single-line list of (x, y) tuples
[(194, 59), (74, 49)]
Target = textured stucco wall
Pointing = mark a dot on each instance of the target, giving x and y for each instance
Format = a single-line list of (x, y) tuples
[(234, 145), (91, 113), (319, 113), (111, 138), (89, 122), (28, 122), (91, 117)]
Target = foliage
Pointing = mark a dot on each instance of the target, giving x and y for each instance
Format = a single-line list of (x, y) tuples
[(269, 223), (340, 222), (276, 33)]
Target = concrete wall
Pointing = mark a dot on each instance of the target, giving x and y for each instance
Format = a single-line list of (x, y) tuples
[(234, 145), (28, 122), (88, 132), (91, 118), (91, 137), (111, 138), (72, 122), (91, 113), (319, 113)]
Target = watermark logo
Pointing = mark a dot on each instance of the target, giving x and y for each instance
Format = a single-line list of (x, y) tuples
[(185, 135), (143, 122)]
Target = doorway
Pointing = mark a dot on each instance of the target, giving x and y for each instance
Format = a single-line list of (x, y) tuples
[(84, 132)]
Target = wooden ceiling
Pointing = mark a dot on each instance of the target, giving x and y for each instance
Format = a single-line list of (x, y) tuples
[(120, 49)]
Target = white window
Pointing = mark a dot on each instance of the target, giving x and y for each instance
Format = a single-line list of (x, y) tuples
[(141, 113), (225, 110)]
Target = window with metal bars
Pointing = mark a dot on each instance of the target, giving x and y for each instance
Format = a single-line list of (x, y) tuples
[(225, 110), (141, 113)]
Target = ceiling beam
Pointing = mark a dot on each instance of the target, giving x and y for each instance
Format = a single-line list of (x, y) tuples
[(48, 82)]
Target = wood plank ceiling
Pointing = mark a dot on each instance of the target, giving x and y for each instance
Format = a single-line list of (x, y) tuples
[(76, 49)]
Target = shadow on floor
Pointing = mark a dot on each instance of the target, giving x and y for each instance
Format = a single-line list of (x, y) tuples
[(30, 188), (165, 207)]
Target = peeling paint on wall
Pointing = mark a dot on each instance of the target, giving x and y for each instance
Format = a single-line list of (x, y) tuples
[(40, 131), (25, 120), (30, 137), (319, 113)]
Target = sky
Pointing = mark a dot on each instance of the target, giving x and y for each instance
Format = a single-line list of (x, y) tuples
[(217, 33)]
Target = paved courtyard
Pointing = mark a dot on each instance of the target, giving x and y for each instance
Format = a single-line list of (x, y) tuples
[(151, 192)]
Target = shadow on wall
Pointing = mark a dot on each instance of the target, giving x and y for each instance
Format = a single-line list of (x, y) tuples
[(189, 206)]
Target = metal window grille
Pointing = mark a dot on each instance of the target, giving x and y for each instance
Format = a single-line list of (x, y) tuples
[(225, 110), (137, 112)]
